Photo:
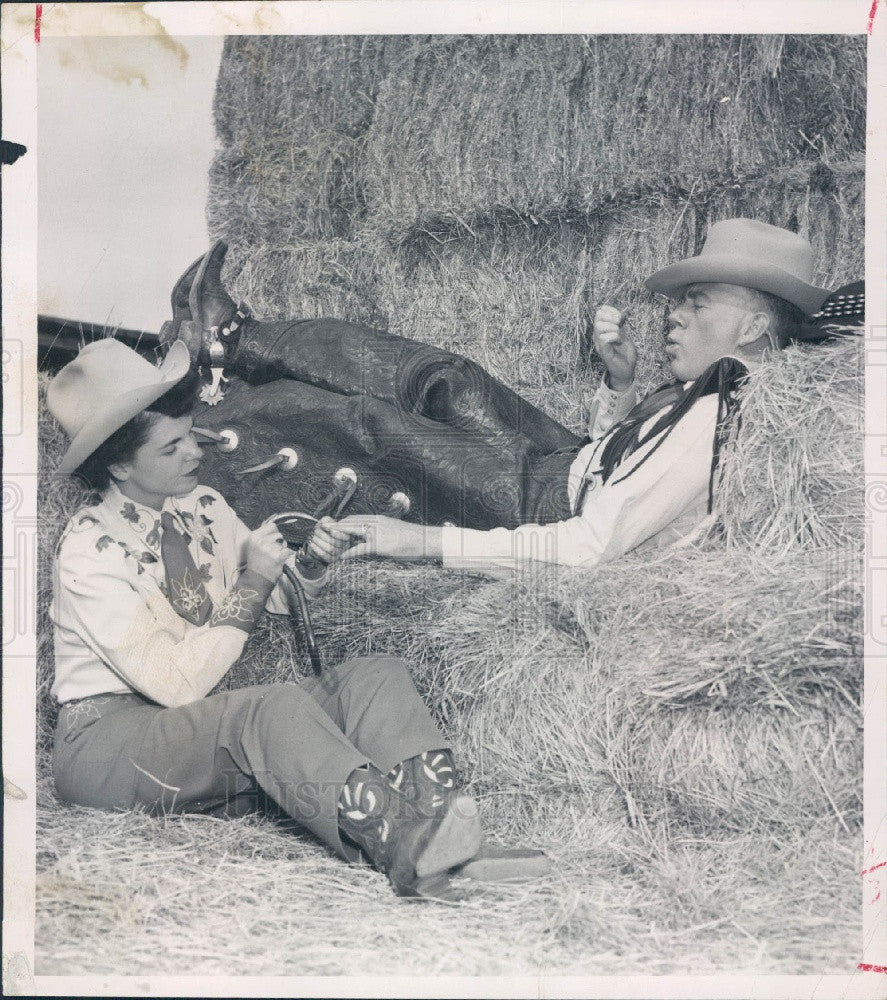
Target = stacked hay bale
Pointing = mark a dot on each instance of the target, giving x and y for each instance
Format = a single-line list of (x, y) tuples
[(485, 194)]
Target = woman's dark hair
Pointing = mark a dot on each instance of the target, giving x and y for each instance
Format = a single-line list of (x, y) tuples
[(122, 445), (724, 377)]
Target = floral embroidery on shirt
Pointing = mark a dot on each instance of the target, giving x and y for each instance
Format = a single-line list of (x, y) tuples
[(188, 595), (206, 522), (206, 545), (206, 500), (235, 604), (87, 519), (153, 536), (204, 572), (103, 542), (129, 513), (140, 557)]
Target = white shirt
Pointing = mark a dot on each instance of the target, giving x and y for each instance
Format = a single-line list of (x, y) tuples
[(664, 500), (115, 630)]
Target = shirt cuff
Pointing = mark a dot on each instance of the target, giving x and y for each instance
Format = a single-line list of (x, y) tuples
[(610, 407), (242, 606)]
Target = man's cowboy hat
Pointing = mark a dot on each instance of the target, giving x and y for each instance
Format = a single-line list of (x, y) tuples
[(753, 254), (106, 385)]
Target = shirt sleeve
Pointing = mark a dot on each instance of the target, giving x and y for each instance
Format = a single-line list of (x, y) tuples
[(620, 515), (608, 407), (282, 597), (136, 633)]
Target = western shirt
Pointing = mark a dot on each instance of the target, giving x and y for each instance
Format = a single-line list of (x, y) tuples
[(116, 631), (661, 502)]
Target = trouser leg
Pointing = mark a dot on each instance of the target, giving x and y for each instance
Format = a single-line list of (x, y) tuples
[(298, 743), (450, 473), (375, 703), (196, 757)]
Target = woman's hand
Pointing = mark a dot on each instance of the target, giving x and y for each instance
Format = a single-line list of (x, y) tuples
[(615, 347), (390, 538), (266, 551)]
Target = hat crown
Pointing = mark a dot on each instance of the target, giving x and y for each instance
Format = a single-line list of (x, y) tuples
[(101, 373), (105, 386), (763, 243), (751, 254)]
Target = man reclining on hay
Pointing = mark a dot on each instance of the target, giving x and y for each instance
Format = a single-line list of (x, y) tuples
[(466, 452), (647, 475), (157, 588)]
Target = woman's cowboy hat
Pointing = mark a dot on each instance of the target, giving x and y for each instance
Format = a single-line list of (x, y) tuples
[(106, 385), (752, 254)]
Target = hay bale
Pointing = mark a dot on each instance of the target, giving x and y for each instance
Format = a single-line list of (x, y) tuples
[(305, 280), (548, 125), (711, 694), (292, 114), (322, 134)]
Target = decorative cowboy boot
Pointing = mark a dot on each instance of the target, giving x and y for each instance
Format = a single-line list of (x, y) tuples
[(181, 312), (429, 781), (414, 850), (203, 309)]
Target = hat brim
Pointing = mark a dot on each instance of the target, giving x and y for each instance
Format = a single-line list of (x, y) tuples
[(174, 368), (735, 270)]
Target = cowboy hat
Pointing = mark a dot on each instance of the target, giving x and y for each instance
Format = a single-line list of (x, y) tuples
[(106, 385), (752, 254)]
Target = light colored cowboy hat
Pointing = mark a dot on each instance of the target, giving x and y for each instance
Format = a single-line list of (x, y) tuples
[(752, 254), (106, 385)]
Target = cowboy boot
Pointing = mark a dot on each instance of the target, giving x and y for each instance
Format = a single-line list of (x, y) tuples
[(181, 313), (413, 850), (428, 780), (203, 309)]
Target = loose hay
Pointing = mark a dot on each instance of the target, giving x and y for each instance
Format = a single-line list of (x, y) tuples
[(795, 474), (126, 893)]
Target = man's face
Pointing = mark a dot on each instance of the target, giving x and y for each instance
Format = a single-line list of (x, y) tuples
[(707, 323), (166, 465)]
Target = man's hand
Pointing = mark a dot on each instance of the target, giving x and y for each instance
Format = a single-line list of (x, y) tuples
[(266, 551), (616, 349), (390, 538), (329, 541)]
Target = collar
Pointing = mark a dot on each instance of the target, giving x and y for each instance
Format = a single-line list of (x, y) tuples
[(142, 520)]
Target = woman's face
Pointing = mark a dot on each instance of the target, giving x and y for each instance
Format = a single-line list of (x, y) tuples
[(166, 465)]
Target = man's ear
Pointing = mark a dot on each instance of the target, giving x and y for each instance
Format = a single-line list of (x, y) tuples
[(756, 325), (120, 471)]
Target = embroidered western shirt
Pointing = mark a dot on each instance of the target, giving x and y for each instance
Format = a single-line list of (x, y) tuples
[(665, 499), (115, 629)]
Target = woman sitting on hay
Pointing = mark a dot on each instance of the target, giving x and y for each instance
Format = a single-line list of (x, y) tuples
[(157, 588), (495, 482)]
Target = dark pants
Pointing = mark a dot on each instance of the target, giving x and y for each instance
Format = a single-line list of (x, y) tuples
[(405, 416), (296, 744)]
